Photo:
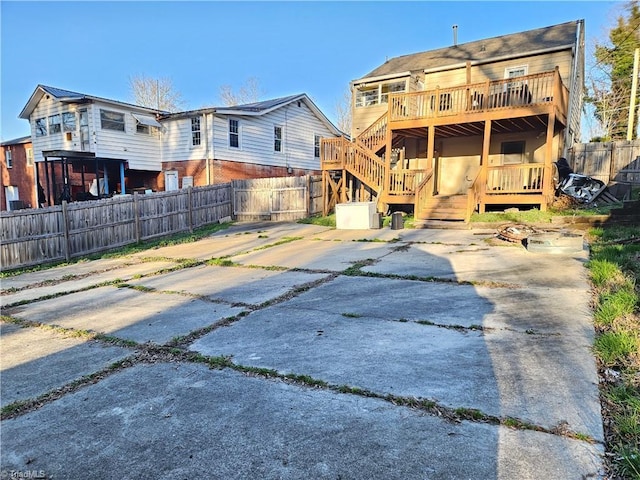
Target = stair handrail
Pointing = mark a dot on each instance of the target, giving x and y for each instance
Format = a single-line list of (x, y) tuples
[(371, 173), (375, 135), (422, 191), (473, 197)]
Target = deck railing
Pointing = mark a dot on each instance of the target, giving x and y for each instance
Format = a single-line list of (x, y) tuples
[(405, 181), (537, 89), (526, 178), (375, 136), (339, 153)]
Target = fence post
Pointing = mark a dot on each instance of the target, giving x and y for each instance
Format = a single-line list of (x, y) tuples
[(308, 195), (136, 213), (65, 221), (190, 198)]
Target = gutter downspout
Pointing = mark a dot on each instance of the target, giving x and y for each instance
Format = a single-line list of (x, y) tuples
[(206, 148)]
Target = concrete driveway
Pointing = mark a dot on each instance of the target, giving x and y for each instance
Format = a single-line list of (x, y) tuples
[(296, 351)]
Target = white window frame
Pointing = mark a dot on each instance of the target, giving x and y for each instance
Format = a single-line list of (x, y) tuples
[(316, 145), (55, 123), (379, 94), (277, 138), (69, 121), (8, 158), (41, 127), (508, 75), (110, 122), (196, 131), (236, 133), (29, 155)]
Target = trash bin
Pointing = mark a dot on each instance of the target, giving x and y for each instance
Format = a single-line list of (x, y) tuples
[(397, 222)]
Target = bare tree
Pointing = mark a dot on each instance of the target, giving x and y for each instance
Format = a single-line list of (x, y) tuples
[(343, 112), (250, 92), (158, 93)]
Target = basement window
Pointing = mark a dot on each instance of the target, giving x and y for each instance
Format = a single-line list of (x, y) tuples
[(512, 152)]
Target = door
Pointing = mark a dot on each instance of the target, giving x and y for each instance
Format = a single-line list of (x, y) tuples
[(170, 180), (11, 195), (84, 130)]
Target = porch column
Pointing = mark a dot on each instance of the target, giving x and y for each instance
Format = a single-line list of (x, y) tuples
[(36, 181), (431, 140), (106, 178), (547, 181), (122, 188), (484, 165), (386, 185), (47, 181)]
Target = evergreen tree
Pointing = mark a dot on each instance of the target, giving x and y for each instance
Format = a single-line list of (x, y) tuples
[(610, 93)]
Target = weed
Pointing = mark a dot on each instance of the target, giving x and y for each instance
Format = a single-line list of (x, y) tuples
[(351, 315), (222, 262), (614, 347), (328, 221)]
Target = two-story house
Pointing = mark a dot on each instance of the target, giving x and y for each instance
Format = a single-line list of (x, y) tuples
[(462, 128), (87, 146), (17, 173)]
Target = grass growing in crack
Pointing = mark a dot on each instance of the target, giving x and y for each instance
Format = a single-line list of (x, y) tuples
[(279, 242), (328, 221), (469, 413), (222, 262)]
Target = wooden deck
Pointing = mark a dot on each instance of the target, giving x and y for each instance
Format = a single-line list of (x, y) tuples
[(527, 103)]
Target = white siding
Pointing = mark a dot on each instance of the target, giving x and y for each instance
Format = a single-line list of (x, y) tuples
[(176, 140), (57, 141), (299, 126), (142, 151)]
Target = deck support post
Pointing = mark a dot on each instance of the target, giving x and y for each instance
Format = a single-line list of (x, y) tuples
[(484, 165), (431, 137), (547, 182)]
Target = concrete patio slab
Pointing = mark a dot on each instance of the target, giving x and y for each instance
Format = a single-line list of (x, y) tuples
[(483, 263), (243, 237), (316, 254), (124, 272), (60, 273), (36, 361), (231, 284), (128, 314), (545, 380), (221, 424)]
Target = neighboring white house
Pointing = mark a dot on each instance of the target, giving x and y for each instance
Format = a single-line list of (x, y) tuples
[(80, 140)]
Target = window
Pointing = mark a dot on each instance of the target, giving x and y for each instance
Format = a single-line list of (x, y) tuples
[(277, 139), (41, 127), (195, 131), (234, 133), (112, 120), (68, 122), (513, 72), (142, 128), (55, 125), (7, 158), (373, 95), (29, 152), (512, 152), (316, 146)]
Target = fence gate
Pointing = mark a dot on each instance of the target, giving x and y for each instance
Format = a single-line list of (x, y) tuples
[(277, 199)]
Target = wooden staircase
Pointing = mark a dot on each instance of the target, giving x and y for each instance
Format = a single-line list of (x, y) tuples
[(444, 207)]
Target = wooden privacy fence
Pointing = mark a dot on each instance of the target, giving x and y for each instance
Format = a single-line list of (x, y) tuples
[(277, 199), (610, 162), (62, 232)]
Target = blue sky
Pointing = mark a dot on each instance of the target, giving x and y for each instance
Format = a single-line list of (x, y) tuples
[(290, 47)]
